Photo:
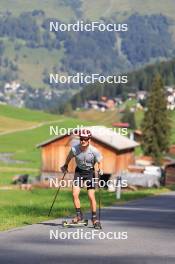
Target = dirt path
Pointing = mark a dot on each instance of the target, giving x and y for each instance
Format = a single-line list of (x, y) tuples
[(31, 128)]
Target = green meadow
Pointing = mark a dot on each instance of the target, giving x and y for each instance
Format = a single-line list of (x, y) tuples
[(35, 128), (23, 144), (26, 114), (19, 208)]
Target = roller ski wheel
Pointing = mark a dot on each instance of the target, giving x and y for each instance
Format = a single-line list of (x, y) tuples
[(64, 223)]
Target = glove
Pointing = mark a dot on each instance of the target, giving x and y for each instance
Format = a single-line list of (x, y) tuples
[(100, 172), (64, 168)]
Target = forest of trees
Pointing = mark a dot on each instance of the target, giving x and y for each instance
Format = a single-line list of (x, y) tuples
[(148, 37), (138, 80)]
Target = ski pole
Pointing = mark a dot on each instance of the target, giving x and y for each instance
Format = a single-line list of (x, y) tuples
[(56, 194), (99, 199)]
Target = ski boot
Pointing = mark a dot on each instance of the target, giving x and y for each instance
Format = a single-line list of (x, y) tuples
[(77, 219), (96, 223)]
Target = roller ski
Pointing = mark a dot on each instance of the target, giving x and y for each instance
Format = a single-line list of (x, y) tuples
[(76, 222)]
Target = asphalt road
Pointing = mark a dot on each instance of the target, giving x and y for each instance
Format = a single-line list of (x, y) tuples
[(148, 224)]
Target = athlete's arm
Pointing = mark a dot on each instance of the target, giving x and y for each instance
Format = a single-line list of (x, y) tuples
[(69, 157), (98, 160), (100, 168), (64, 168)]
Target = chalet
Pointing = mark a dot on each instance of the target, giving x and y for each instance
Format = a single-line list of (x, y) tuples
[(104, 104), (131, 95), (138, 135), (141, 95), (117, 150), (11, 87), (169, 173), (170, 94), (120, 124), (171, 101)]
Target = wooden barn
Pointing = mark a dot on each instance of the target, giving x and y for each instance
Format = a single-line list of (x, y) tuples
[(117, 151), (170, 174)]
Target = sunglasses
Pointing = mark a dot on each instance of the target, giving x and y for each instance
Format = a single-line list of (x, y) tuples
[(84, 139)]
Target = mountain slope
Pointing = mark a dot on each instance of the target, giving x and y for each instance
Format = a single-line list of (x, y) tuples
[(15, 119), (29, 52), (66, 9), (137, 80), (124, 8)]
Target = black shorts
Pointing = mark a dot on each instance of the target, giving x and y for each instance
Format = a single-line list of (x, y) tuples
[(85, 177)]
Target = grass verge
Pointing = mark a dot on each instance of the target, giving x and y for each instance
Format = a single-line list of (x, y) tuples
[(19, 208)]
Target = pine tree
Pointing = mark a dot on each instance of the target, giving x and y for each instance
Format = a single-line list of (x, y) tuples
[(156, 123), (129, 117)]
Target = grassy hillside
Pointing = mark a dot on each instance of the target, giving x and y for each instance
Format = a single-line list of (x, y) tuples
[(90, 8), (25, 114), (52, 8), (23, 143), (124, 8), (35, 128), (13, 119), (99, 118), (7, 124)]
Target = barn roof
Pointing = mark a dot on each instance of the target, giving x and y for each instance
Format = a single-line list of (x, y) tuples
[(104, 135)]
